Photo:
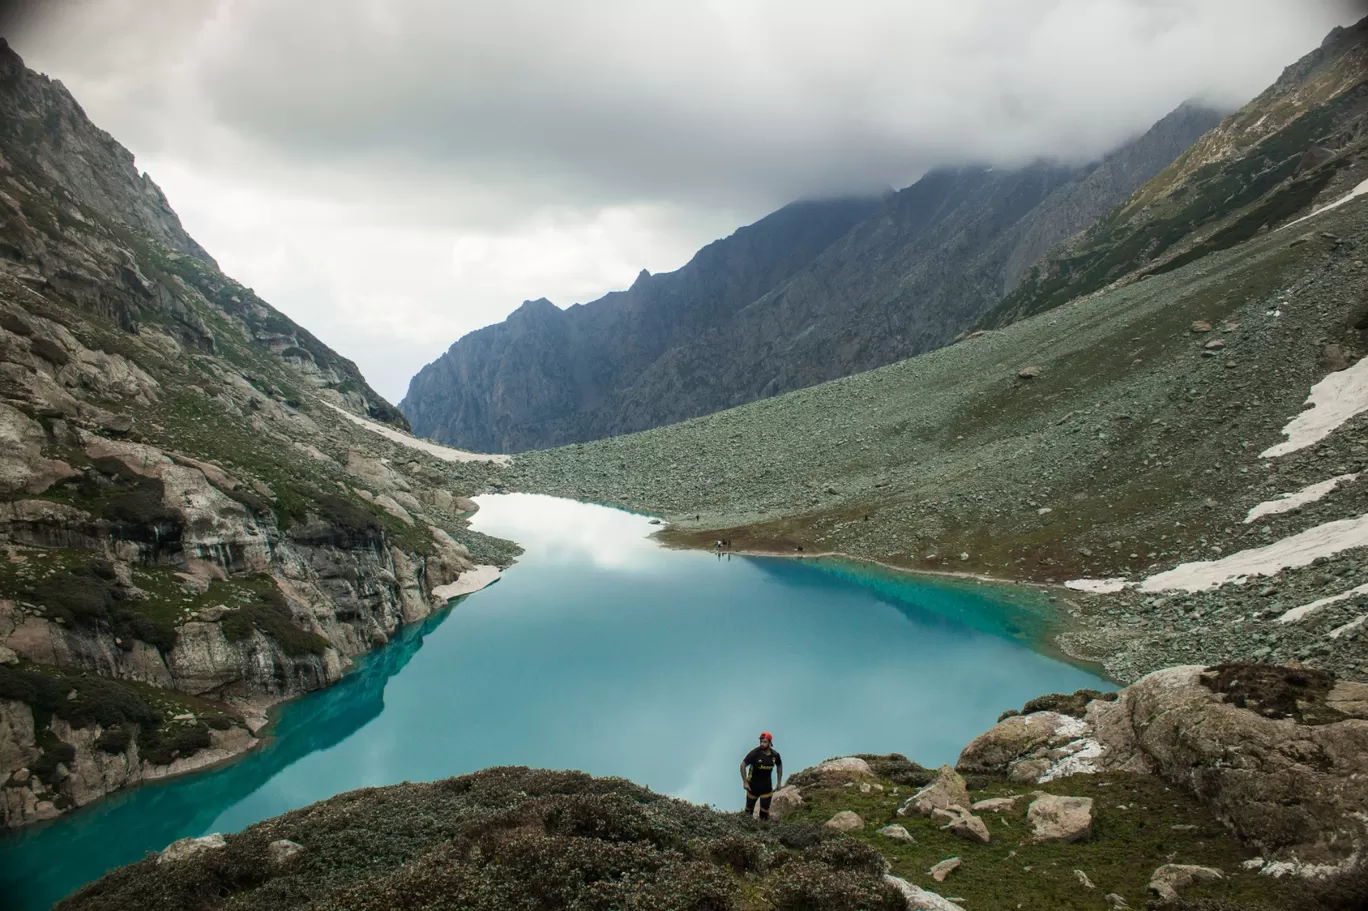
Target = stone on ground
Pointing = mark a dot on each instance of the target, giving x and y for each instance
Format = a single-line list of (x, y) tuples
[(845, 821), (919, 899), (282, 850), (785, 801), (897, 833), (1169, 878), (948, 789), (189, 847), (1055, 818), (968, 827), (944, 869)]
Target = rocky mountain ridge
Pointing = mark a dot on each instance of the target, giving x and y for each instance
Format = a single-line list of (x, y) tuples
[(192, 524), (1302, 139), (863, 284)]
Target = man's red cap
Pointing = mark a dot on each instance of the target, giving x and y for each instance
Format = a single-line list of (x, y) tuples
[(765, 735)]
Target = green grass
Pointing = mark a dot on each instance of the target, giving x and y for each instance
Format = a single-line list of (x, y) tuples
[(1133, 834)]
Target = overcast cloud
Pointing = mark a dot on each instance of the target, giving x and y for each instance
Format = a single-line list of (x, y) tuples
[(395, 173)]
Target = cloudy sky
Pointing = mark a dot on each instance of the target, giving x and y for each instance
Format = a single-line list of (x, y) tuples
[(395, 173)]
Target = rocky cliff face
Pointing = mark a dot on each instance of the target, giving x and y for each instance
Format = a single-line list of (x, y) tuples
[(858, 285), (192, 524)]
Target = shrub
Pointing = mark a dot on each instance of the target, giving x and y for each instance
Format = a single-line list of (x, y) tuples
[(99, 700), (814, 887), (849, 854), (1074, 704), (898, 768), (271, 615), (161, 747), (1273, 691), (114, 740)]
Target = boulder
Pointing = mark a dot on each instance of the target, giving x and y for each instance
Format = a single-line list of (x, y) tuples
[(283, 850), (846, 765), (1292, 790), (1030, 373), (845, 821), (919, 899), (897, 833), (785, 801), (189, 847), (1334, 358), (1169, 878), (995, 804), (968, 827), (1054, 818), (1200, 326), (947, 790), (944, 869)]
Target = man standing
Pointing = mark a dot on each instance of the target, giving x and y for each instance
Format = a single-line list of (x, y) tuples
[(755, 775)]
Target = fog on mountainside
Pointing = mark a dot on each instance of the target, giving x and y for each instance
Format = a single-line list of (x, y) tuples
[(862, 285)]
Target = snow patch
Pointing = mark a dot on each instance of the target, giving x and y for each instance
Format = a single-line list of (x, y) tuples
[(1352, 624), (472, 580), (1298, 550), (445, 453), (1352, 194), (1098, 586), (1288, 501), (1297, 613), (1334, 400)]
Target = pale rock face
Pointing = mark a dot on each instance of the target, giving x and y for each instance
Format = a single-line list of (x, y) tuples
[(17, 746), (845, 821), (995, 804), (189, 847), (22, 466), (1170, 878), (1054, 818), (947, 790)]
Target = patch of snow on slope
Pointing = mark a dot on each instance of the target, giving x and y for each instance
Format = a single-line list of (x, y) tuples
[(1289, 501), (1297, 613), (1296, 550), (1097, 586), (472, 580), (445, 453), (1352, 194), (1352, 624), (1334, 400)]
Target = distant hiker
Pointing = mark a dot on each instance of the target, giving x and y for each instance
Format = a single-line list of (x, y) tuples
[(755, 775)]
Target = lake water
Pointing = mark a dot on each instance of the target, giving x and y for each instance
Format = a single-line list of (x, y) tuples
[(602, 651)]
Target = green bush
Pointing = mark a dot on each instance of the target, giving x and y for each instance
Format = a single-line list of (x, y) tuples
[(163, 746), (271, 615), (1274, 691), (816, 887), (99, 700), (114, 740)]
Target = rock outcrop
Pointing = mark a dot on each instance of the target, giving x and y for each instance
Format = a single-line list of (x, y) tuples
[(1290, 785), (186, 499)]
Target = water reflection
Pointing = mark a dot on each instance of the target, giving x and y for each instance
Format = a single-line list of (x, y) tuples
[(603, 652)]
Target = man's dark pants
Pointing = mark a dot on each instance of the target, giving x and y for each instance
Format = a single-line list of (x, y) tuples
[(764, 803)]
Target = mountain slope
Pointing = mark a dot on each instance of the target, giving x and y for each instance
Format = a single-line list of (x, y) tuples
[(544, 374), (1302, 140), (876, 283), (193, 524)]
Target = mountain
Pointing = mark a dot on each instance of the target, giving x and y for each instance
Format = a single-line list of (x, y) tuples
[(540, 375), (1151, 441), (199, 514), (1302, 139), (869, 283)]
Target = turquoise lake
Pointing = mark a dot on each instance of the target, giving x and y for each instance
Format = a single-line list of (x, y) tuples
[(600, 650)]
